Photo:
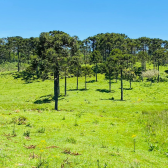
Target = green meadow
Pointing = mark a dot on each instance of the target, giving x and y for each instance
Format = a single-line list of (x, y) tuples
[(92, 129)]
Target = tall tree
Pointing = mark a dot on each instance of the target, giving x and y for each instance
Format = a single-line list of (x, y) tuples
[(159, 57), (110, 67), (95, 57), (3, 50), (18, 44), (122, 61), (75, 67), (87, 71), (143, 44), (52, 49)]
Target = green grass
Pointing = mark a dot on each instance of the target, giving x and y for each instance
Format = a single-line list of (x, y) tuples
[(89, 130)]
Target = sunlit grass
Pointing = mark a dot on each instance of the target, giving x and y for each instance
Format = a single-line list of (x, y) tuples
[(89, 130)]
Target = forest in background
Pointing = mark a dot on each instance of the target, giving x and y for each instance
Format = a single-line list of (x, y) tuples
[(56, 54)]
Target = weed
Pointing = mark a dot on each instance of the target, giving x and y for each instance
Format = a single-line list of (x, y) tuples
[(115, 154), (135, 164), (21, 120), (28, 125), (112, 124), (26, 133), (41, 130), (98, 165), (153, 147), (42, 163), (75, 124), (79, 115), (66, 163), (103, 145), (14, 120), (95, 121), (67, 151), (133, 136), (71, 140), (63, 118)]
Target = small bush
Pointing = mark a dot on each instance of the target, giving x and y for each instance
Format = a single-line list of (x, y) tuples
[(150, 74)]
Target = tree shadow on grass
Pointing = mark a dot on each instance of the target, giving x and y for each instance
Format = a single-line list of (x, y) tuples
[(127, 88), (147, 84), (113, 99), (25, 76), (47, 99), (105, 91), (77, 89), (91, 81)]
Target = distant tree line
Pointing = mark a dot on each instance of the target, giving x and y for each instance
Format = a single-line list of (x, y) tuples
[(56, 53)]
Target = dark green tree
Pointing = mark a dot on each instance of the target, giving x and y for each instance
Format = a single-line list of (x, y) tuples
[(75, 67), (54, 47), (87, 71), (160, 56), (95, 57), (110, 67), (18, 45), (122, 61), (129, 75)]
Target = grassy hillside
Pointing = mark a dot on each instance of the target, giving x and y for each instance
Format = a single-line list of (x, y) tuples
[(89, 130)]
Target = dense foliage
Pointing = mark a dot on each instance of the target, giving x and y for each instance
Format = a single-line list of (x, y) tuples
[(56, 54)]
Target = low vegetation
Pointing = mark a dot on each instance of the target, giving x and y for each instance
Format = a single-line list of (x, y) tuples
[(105, 132)]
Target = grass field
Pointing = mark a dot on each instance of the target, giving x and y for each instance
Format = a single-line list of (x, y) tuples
[(89, 130)]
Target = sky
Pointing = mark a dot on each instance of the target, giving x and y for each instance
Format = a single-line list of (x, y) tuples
[(84, 18)]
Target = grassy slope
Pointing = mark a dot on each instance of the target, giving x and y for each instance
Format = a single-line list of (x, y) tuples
[(88, 123)]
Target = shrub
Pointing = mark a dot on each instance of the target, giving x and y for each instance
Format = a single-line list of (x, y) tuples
[(150, 74)]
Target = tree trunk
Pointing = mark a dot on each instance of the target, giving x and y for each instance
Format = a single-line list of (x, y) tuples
[(143, 65), (130, 84), (85, 81), (9, 56), (105, 54), (37, 71), (116, 78), (158, 71), (28, 57), (77, 83), (65, 83), (18, 61), (109, 82), (121, 86), (56, 88), (96, 71)]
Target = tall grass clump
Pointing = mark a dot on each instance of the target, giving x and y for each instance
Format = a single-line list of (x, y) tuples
[(156, 128)]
